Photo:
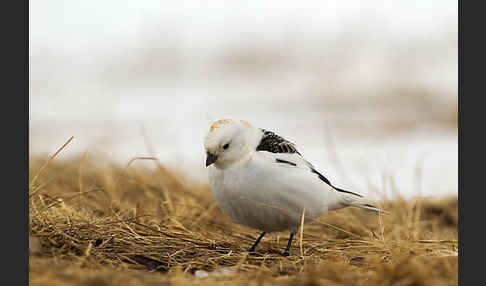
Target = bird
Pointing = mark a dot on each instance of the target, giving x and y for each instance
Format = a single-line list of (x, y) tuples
[(260, 180)]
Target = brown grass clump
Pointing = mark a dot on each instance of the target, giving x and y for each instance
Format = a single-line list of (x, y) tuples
[(135, 225)]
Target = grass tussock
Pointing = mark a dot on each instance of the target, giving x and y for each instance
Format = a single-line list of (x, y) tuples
[(104, 224)]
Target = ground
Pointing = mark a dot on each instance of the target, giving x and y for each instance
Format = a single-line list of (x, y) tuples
[(97, 223)]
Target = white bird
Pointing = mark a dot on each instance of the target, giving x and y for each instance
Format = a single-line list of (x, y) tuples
[(260, 180)]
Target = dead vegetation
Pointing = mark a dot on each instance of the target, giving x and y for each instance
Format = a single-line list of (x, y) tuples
[(94, 223)]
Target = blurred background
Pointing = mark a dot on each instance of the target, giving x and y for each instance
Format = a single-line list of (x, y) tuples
[(366, 89)]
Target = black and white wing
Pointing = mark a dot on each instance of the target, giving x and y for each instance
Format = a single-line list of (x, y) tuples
[(273, 143), (285, 152)]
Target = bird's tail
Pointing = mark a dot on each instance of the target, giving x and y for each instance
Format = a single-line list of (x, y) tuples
[(355, 200)]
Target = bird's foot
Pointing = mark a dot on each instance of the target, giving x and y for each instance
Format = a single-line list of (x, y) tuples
[(252, 251)]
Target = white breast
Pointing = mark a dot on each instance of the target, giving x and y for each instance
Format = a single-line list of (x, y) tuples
[(270, 196)]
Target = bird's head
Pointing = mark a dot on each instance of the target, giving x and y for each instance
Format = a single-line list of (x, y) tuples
[(229, 141)]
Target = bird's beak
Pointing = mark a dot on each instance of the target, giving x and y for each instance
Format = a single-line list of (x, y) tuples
[(210, 158)]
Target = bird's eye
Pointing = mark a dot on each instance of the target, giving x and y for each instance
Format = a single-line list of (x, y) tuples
[(226, 146)]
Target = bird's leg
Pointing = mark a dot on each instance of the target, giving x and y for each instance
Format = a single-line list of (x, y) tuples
[(286, 252), (256, 242)]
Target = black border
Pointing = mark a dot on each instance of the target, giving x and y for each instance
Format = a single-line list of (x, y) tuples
[(14, 23), (471, 143), (460, 112)]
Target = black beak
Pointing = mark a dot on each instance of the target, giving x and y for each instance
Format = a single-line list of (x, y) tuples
[(210, 158)]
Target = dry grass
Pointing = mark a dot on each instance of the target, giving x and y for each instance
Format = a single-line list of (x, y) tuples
[(93, 223)]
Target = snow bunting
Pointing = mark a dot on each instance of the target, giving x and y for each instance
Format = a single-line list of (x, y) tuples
[(260, 180)]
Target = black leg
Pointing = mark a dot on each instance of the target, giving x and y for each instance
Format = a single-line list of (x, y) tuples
[(256, 242), (286, 252)]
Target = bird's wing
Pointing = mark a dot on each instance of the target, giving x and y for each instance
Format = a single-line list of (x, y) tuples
[(293, 161), (287, 181), (274, 143), (296, 172), (278, 150)]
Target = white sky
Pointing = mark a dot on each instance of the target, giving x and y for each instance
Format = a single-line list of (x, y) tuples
[(78, 25), (80, 33)]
